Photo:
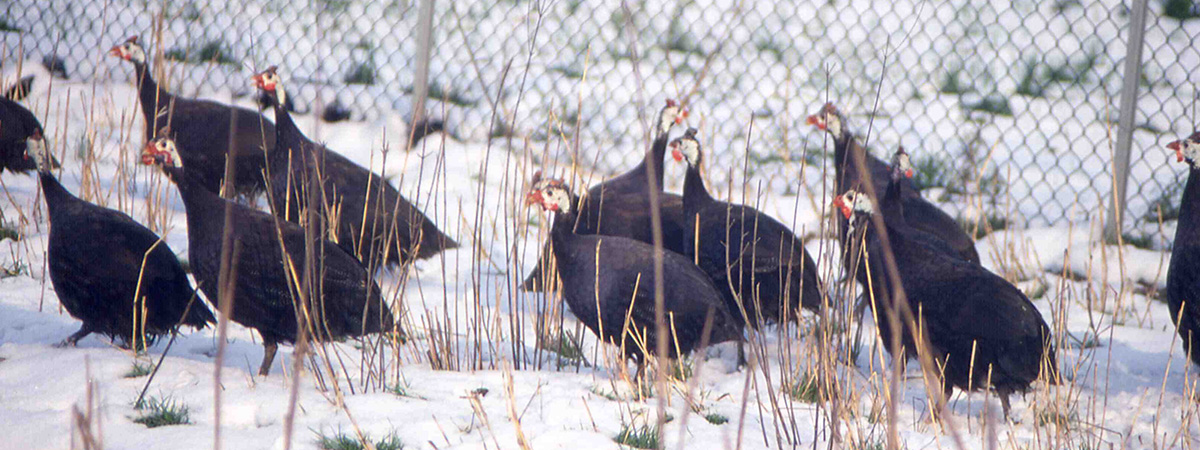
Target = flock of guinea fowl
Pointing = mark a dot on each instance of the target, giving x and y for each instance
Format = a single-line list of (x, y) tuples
[(724, 267)]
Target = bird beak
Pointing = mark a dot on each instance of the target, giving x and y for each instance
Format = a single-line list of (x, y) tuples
[(814, 120), (841, 205), (1178, 147), (534, 196), (675, 153), (908, 173), (148, 154), (261, 83), (116, 51), (683, 113)]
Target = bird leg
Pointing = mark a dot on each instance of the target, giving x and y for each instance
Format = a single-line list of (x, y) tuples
[(741, 362), (73, 339), (269, 349), (1007, 407)]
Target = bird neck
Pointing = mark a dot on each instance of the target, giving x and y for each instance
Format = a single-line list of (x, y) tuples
[(55, 193), (654, 158), (695, 195), (892, 208), (197, 199), (1188, 229), (563, 228), (152, 97), (843, 161), (288, 138)]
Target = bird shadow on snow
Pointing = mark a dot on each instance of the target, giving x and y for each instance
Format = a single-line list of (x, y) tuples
[(44, 329)]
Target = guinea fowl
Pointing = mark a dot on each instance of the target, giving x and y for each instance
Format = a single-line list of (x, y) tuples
[(366, 215), (621, 205), (607, 279), (921, 214), (1183, 276), (764, 272), (98, 256), (202, 128), (17, 126), (263, 294), (852, 258), (982, 331)]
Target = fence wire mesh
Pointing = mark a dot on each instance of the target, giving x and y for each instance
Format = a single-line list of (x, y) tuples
[(1010, 106)]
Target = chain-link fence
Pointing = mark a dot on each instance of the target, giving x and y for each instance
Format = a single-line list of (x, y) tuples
[(1012, 102)]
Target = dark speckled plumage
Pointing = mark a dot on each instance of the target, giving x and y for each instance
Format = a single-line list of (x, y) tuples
[(983, 331), (922, 215), (599, 275), (201, 129), (620, 206), (263, 296), (391, 224), (16, 125), (1183, 276), (95, 259), (754, 258)]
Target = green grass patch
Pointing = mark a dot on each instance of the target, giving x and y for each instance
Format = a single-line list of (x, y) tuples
[(929, 171), (139, 369), (342, 441), (162, 412), (1181, 9), (566, 345), (9, 231), (639, 436), (680, 39), (1030, 84), (568, 70), (681, 369), (716, 419), (362, 73), (770, 46), (992, 104), (213, 51), (14, 269), (1089, 340), (1167, 204), (608, 395), (1141, 240), (1038, 290), (453, 96), (991, 224), (952, 83), (1053, 416), (807, 389), (8, 26)]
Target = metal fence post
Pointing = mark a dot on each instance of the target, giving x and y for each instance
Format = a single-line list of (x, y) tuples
[(1129, 95), (424, 50)]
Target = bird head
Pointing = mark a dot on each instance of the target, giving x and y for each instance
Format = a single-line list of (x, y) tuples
[(901, 165), (829, 119), (549, 193), (671, 115), (271, 84), (130, 50), (162, 152), (686, 147), (35, 147), (853, 202), (1187, 150)]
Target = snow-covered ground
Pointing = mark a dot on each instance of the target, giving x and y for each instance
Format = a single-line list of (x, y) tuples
[(1128, 384)]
